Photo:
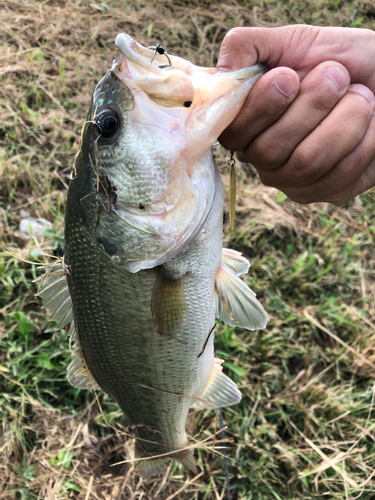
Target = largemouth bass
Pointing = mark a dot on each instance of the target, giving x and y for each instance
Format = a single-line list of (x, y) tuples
[(145, 272)]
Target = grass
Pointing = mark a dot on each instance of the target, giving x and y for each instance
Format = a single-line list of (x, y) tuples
[(305, 426)]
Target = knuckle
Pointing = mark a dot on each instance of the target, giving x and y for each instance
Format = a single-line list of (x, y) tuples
[(301, 157), (323, 102), (317, 193), (229, 139), (302, 199), (360, 108), (305, 195), (305, 33), (266, 179), (298, 172), (269, 152), (242, 156), (303, 165), (333, 190), (233, 37)]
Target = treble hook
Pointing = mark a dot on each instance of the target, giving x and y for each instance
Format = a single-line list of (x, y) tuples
[(160, 50)]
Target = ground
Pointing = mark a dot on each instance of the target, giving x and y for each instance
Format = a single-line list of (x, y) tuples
[(305, 426)]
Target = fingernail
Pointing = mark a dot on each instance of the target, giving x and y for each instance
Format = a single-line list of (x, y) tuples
[(285, 85), (361, 89), (221, 69), (338, 77)]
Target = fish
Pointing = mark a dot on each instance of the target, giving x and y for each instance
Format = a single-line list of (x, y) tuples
[(144, 272)]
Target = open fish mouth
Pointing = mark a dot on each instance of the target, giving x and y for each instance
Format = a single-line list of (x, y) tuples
[(177, 112), (170, 80), (162, 77)]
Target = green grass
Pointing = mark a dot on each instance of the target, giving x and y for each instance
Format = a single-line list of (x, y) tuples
[(305, 426)]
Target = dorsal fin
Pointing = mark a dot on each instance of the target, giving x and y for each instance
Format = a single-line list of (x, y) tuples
[(220, 390), (55, 291), (79, 375), (235, 302)]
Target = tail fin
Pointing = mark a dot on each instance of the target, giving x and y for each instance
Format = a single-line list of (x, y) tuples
[(154, 466), (150, 466), (186, 457)]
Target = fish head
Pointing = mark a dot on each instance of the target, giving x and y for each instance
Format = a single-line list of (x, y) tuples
[(147, 144), (132, 146)]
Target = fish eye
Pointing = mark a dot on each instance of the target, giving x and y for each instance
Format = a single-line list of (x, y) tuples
[(108, 123)]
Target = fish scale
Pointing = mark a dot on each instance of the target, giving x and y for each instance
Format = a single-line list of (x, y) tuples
[(100, 324), (144, 272)]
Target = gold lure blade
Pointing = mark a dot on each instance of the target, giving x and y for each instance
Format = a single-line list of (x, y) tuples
[(232, 191)]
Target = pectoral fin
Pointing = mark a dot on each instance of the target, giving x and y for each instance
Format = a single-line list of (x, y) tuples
[(168, 303), (235, 261), (220, 390), (235, 302)]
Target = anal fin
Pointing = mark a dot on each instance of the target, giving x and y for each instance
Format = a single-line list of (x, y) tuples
[(220, 390)]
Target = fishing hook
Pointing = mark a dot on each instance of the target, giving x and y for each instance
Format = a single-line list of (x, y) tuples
[(160, 50), (231, 161)]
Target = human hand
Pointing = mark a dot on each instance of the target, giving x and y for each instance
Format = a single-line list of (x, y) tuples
[(307, 131)]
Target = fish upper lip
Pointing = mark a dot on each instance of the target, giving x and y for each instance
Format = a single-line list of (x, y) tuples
[(136, 66), (143, 58)]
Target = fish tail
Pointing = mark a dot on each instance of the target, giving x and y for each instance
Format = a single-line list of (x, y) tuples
[(154, 466), (151, 466), (186, 457)]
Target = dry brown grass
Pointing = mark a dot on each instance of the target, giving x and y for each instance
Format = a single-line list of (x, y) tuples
[(52, 55)]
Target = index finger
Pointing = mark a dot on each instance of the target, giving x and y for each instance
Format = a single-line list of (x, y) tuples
[(265, 104)]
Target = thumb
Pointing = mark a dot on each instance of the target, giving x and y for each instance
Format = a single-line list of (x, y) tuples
[(244, 47), (299, 47)]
